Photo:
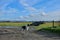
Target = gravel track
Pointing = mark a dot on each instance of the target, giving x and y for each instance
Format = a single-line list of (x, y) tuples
[(14, 34)]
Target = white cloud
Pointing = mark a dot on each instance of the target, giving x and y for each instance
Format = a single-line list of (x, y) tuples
[(36, 13), (55, 15), (9, 12), (27, 6), (21, 17), (32, 15), (49, 17), (44, 14), (30, 2)]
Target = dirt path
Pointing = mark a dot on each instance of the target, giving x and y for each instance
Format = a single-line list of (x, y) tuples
[(25, 35)]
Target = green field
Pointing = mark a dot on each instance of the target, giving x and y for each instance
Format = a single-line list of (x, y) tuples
[(48, 24), (14, 23), (49, 27), (45, 25)]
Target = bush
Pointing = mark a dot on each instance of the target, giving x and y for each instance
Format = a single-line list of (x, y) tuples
[(37, 23)]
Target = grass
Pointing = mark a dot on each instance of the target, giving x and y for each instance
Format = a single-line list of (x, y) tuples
[(14, 23), (46, 25), (54, 30), (49, 27)]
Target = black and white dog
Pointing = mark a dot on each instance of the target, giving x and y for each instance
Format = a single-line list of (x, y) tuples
[(25, 28)]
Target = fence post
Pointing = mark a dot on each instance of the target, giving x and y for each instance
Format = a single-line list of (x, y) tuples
[(53, 24)]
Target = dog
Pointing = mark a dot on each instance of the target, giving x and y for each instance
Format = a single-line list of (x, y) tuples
[(25, 28)]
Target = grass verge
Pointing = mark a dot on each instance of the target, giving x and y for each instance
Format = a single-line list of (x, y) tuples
[(53, 30)]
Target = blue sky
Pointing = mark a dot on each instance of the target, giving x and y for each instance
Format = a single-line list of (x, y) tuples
[(30, 10)]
